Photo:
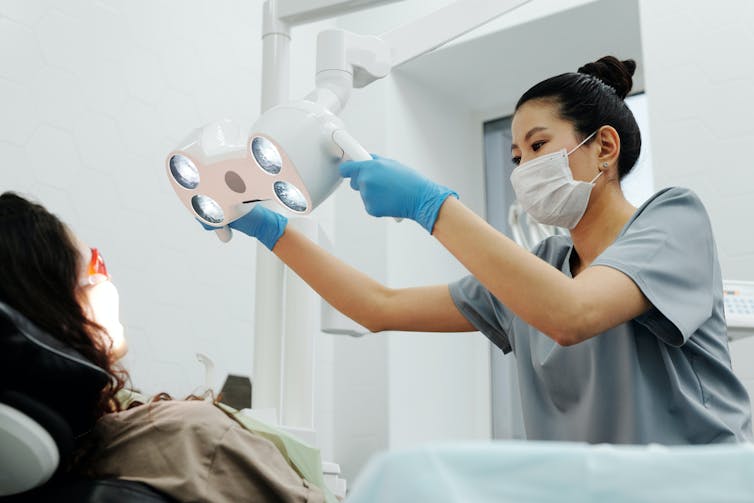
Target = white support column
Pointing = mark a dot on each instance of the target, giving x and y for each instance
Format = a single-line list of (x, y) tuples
[(268, 297), (276, 42), (301, 328)]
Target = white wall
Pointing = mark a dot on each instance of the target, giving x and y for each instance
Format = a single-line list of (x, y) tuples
[(362, 366), (102, 92), (699, 84), (699, 81), (439, 383), (393, 390)]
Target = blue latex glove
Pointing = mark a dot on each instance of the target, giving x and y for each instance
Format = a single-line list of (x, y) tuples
[(265, 225), (390, 189)]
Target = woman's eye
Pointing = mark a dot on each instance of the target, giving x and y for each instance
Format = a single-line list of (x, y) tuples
[(537, 145), (516, 161)]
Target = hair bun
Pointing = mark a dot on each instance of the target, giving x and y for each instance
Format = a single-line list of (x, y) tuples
[(613, 72)]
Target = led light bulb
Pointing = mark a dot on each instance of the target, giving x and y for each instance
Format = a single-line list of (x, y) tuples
[(267, 156), (184, 171), (207, 209), (290, 196)]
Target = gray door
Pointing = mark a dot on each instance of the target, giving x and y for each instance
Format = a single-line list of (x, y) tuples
[(507, 422)]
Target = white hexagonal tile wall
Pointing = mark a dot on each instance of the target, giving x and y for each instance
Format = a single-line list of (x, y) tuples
[(144, 75), (136, 120), (24, 11), (178, 116), (58, 95), (15, 171), (19, 112), (65, 41), (58, 201), (97, 139), (19, 52), (97, 200), (54, 159)]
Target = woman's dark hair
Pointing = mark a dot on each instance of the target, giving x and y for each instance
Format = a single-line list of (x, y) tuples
[(40, 268), (592, 98)]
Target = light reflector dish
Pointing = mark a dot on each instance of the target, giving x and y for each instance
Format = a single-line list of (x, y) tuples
[(207, 209), (184, 172)]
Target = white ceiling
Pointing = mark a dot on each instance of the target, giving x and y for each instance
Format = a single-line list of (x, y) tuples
[(491, 72)]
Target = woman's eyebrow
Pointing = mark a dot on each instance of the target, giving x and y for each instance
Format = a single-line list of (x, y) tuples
[(533, 130)]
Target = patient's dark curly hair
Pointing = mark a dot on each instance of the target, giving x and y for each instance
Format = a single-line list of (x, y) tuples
[(40, 270)]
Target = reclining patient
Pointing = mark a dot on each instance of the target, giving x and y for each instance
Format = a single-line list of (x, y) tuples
[(189, 450)]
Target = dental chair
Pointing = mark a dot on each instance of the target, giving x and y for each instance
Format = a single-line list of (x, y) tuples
[(47, 393)]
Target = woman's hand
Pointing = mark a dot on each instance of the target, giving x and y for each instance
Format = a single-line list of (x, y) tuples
[(265, 225), (390, 189)]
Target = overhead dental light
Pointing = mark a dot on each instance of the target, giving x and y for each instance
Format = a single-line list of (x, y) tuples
[(292, 153), (291, 157)]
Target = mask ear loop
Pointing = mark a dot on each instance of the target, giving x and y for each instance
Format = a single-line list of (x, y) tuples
[(595, 178), (579, 145), (574, 149)]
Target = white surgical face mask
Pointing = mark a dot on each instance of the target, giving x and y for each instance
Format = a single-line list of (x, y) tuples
[(547, 191)]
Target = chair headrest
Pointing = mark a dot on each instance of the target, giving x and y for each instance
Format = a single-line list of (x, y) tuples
[(36, 364)]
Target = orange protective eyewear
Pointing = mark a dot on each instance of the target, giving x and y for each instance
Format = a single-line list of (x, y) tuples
[(97, 270)]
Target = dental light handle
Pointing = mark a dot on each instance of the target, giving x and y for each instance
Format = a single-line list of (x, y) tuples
[(352, 149), (224, 234)]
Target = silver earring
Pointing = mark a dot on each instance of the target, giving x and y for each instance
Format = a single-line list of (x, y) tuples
[(604, 165)]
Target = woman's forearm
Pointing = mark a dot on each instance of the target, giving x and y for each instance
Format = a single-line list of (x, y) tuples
[(348, 290), (533, 289)]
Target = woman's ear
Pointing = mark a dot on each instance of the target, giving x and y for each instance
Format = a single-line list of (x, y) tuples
[(608, 141)]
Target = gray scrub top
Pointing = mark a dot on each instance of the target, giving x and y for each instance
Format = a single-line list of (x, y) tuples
[(662, 377)]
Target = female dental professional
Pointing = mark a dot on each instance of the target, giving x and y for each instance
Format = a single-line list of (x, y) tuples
[(618, 330)]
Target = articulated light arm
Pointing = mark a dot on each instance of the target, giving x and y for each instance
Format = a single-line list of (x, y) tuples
[(295, 12), (442, 26), (292, 153), (346, 60)]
